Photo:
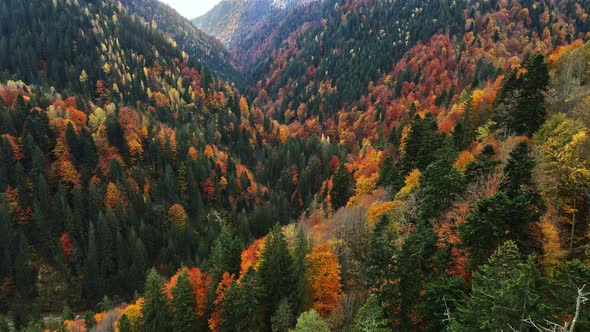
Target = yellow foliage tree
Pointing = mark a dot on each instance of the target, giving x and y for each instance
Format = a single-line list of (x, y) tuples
[(177, 215)]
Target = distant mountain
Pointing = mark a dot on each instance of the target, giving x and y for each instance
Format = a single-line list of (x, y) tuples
[(189, 38), (231, 18)]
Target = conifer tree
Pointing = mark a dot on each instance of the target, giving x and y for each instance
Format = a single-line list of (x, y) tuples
[(370, 317), (183, 305), (155, 309), (342, 187), (300, 269), (276, 269), (504, 293)]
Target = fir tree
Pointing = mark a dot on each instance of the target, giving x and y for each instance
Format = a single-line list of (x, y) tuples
[(504, 293), (370, 317), (342, 187), (276, 269), (183, 305), (155, 310)]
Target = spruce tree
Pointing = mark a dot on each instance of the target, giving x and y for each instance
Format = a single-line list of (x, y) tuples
[(440, 184), (276, 270), (155, 311), (518, 171), (370, 317), (342, 187), (380, 262), (504, 292), (183, 306), (300, 269), (225, 254)]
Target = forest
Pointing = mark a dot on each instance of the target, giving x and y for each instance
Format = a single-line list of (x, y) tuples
[(345, 165)]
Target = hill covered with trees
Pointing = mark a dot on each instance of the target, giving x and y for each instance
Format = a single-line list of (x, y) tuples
[(372, 166)]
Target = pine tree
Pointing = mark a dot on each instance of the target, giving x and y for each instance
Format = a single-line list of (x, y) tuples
[(300, 269), (247, 308), (225, 254), (441, 184), (518, 171), (276, 269), (504, 292), (155, 310), (342, 187), (183, 306), (380, 262), (370, 317), (283, 318)]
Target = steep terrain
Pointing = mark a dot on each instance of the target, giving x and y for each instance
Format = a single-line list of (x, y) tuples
[(379, 165), (231, 19)]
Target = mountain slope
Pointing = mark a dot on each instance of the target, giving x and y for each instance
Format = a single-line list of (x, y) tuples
[(230, 19), (197, 44)]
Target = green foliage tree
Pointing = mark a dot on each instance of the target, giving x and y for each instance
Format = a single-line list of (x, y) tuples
[(370, 317), (342, 187), (505, 291), (311, 321), (283, 318), (183, 306), (155, 311), (276, 270)]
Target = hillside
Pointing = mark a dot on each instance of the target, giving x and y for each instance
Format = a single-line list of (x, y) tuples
[(197, 44), (344, 165), (230, 19)]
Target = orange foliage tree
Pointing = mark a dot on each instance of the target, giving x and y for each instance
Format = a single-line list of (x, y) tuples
[(200, 282), (323, 277), (67, 247), (215, 319)]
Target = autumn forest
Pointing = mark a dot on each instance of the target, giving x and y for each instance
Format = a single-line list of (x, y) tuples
[(294, 166)]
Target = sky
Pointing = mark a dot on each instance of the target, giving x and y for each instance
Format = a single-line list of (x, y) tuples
[(191, 8)]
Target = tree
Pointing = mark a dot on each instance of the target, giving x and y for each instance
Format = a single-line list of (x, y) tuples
[(342, 187), (300, 269), (381, 260), (310, 321), (283, 318), (155, 310), (183, 306), (504, 292), (276, 270), (323, 276), (124, 325), (487, 225), (225, 254), (518, 171), (520, 105), (370, 317), (177, 216), (441, 184)]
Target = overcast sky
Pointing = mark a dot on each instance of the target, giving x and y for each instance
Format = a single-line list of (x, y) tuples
[(192, 8)]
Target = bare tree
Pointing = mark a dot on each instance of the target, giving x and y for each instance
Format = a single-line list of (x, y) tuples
[(568, 326)]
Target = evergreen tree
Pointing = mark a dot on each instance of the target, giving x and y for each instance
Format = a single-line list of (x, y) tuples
[(276, 270), (518, 171), (225, 254), (283, 318), (155, 310), (504, 293), (300, 269), (441, 184), (183, 306), (422, 141), (342, 187), (370, 317), (380, 262)]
